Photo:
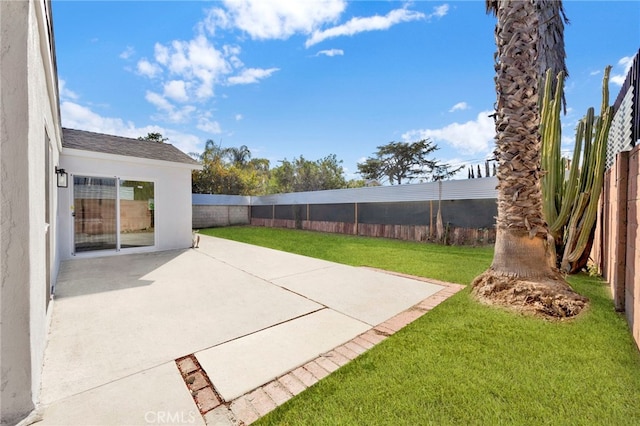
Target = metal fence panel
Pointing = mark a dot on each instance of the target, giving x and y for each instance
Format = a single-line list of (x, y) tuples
[(469, 213), (262, 212), (332, 212), (458, 213), (406, 213), (290, 212)]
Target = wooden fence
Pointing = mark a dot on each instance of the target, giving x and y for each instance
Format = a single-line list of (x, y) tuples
[(451, 235), (615, 249)]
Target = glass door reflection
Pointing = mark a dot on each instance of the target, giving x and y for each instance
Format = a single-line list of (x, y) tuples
[(95, 226), (137, 214)]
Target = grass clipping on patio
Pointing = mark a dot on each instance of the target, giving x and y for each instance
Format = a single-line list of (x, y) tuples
[(549, 297)]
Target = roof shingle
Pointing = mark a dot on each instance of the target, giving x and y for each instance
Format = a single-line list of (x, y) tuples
[(118, 145)]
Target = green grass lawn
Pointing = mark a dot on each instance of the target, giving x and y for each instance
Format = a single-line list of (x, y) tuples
[(464, 363)]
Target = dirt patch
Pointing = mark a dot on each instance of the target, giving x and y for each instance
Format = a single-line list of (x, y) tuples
[(548, 297)]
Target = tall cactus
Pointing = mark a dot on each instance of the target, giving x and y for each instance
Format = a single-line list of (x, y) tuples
[(570, 203)]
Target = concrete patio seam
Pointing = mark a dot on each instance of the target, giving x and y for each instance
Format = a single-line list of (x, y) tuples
[(258, 402), (102, 385), (199, 350), (271, 280), (264, 328)]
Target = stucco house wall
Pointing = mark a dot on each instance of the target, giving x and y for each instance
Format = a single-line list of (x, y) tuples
[(172, 186), (34, 213), (30, 142)]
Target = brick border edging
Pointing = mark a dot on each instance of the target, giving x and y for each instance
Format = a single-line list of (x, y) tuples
[(202, 391), (251, 406)]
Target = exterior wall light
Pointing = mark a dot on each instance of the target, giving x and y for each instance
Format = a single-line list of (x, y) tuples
[(62, 176)]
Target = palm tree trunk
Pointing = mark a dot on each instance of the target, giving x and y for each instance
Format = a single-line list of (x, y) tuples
[(520, 221), (522, 274)]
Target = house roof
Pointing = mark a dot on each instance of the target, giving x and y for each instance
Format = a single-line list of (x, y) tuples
[(118, 145)]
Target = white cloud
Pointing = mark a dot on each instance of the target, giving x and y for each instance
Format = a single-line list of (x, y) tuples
[(626, 62), (280, 19), (233, 55), (181, 115), (203, 55), (148, 69), (619, 78), (358, 25), (440, 11), (460, 106), (196, 66), (472, 137), (251, 75), (65, 93), (215, 18), (176, 90), (128, 52), (210, 126), (197, 62), (75, 116), (158, 101), (238, 117), (331, 52), (185, 142), (161, 53), (189, 70), (170, 112)]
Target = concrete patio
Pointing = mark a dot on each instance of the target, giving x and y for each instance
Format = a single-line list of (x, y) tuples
[(218, 335)]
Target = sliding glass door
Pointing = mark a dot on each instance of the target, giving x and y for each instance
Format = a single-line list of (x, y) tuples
[(112, 214)]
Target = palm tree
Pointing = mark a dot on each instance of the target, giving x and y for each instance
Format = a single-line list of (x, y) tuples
[(523, 274), (551, 52), (239, 156), (212, 152)]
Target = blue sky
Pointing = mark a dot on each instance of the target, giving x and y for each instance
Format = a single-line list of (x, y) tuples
[(312, 77)]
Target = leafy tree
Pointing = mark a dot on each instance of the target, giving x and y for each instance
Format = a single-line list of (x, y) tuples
[(522, 275), (259, 164), (356, 183), (305, 175), (282, 178), (441, 171), (232, 171), (210, 179), (405, 161), (330, 173), (228, 171), (155, 137)]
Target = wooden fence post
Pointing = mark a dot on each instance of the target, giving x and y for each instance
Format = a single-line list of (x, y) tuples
[(355, 228), (273, 215)]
